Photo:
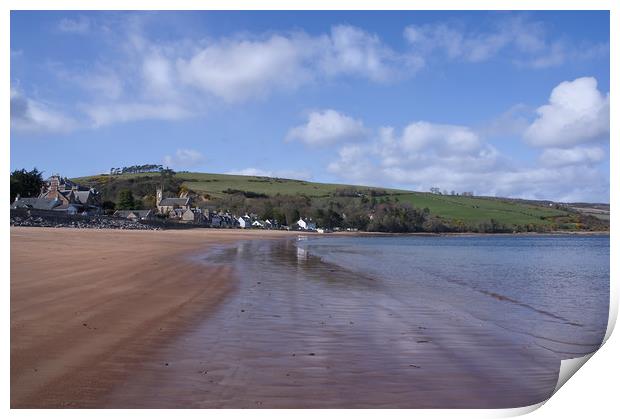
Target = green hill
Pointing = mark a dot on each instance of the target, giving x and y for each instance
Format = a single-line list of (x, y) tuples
[(254, 193)]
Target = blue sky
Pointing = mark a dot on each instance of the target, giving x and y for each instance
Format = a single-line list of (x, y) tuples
[(498, 103)]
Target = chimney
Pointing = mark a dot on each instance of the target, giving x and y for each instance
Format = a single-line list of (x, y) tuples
[(159, 195), (17, 197)]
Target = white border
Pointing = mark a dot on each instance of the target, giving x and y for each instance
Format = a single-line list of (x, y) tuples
[(591, 393)]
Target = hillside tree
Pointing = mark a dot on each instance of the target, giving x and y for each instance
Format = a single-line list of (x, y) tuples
[(26, 183), (126, 201)]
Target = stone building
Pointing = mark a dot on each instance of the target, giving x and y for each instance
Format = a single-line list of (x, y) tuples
[(169, 205), (61, 194)]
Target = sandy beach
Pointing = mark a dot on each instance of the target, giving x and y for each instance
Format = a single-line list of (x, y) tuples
[(88, 305), (229, 319)]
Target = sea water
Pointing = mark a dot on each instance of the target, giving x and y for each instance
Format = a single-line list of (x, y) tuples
[(552, 288), (386, 322)]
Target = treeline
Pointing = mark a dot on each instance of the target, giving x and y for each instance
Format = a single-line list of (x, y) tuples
[(359, 193), (382, 214), (142, 168), (134, 193), (334, 212), (25, 183), (247, 194)]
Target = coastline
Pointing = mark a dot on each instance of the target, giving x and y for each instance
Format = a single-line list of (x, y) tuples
[(208, 318), (301, 333), (87, 306), (428, 234)]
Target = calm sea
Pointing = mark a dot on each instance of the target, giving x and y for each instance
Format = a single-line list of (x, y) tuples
[(551, 289)]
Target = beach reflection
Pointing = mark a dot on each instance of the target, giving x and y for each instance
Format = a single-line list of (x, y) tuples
[(302, 255), (301, 333)]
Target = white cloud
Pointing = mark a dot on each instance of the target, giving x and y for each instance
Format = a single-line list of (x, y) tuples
[(104, 84), (512, 122), (350, 50), (453, 157), (236, 70), (328, 127), (554, 56), (354, 163), (106, 114), (408, 158), (164, 80), (157, 72), (559, 52), (556, 157), (156, 80), (283, 174), (33, 116), (153, 80), (456, 42), (577, 112), (527, 40), (80, 25), (184, 158), (100, 80), (443, 139)]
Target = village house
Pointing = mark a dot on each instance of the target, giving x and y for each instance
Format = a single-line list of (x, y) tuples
[(306, 224), (229, 221), (168, 206), (215, 220), (270, 224), (60, 194), (221, 220), (135, 215), (177, 213), (258, 224), (245, 221), (193, 215), (34, 203)]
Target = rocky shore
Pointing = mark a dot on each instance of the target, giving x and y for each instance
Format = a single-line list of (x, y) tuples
[(80, 222)]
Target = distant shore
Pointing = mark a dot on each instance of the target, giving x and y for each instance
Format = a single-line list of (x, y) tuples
[(426, 234)]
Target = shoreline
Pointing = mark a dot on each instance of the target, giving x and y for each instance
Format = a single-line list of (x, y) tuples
[(84, 316), (349, 233), (296, 323), (212, 318)]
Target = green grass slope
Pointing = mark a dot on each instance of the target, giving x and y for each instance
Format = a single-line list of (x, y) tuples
[(462, 209)]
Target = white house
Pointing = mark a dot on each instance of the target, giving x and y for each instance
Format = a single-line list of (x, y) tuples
[(245, 222), (258, 224), (306, 224), (134, 215)]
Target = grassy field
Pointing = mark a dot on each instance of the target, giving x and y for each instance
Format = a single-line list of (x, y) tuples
[(474, 210), (468, 210), (215, 184)]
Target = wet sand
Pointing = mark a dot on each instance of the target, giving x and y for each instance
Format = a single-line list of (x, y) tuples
[(226, 322), (299, 333), (88, 306)]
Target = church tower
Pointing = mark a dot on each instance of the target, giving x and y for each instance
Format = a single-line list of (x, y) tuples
[(159, 195)]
